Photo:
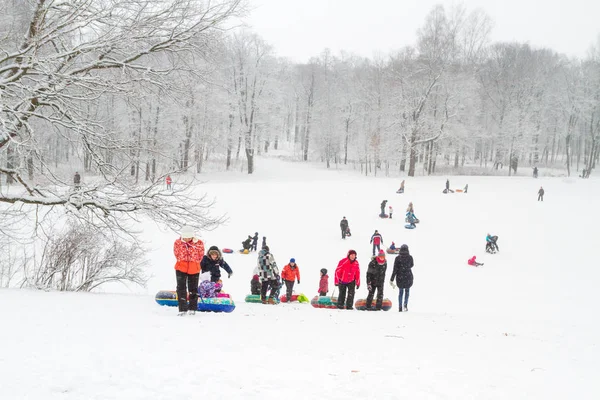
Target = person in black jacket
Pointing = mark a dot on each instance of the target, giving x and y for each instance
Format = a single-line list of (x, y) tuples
[(375, 280), (344, 227), (382, 206), (247, 244), (254, 242), (404, 277), (213, 262), (541, 194)]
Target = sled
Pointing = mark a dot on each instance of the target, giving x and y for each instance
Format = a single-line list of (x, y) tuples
[(361, 304), (390, 251), (255, 298), (324, 302), (242, 251), (384, 216), (208, 304), (301, 298), (228, 251), (409, 226), (458, 190)]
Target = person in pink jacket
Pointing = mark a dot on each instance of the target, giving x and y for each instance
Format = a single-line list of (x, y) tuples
[(347, 277)]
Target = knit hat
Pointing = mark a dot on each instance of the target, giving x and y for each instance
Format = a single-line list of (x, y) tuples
[(187, 232), (351, 252), (324, 271), (381, 253), (292, 260)]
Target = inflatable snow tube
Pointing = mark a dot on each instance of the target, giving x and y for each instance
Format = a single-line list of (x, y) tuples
[(458, 190), (255, 298), (361, 304), (215, 304), (390, 251), (228, 251), (301, 298), (384, 216), (242, 251), (324, 302), (409, 226)]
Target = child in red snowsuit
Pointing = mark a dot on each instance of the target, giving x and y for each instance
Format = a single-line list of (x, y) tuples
[(324, 283), (472, 261)]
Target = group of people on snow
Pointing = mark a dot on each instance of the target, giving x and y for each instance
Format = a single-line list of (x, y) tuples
[(251, 242), (347, 279)]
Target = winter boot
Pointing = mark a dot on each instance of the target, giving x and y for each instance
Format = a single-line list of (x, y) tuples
[(192, 312), (405, 308), (182, 313)]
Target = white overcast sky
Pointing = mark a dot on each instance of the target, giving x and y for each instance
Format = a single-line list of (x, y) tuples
[(300, 29)]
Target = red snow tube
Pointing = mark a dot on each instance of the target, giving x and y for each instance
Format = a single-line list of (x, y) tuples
[(227, 250)]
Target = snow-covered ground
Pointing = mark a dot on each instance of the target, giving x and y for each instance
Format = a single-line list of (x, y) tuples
[(523, 326)]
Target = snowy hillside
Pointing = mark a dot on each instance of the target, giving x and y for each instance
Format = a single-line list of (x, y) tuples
[(520, 327)]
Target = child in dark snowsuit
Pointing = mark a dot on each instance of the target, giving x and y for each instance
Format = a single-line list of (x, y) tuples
[(255, 285), (324, 283), (375, 280), (264, 242), (254, 242), (247, 244)]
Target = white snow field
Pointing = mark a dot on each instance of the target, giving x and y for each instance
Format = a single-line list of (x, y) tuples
[(523, 326)]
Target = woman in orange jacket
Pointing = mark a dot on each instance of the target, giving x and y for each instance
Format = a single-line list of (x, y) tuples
[(188, 251), (290, 273)]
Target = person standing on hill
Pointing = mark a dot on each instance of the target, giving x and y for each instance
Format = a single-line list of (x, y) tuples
[(382, 205), (254, 242), (269, 276), (391, 210), (404, 277), (168, 181), (377, 241), (323, 283), (77, 181), (344, 227), (541, 194), (264, 242), (290, 273), (375, 280), (188, 251), (347, 278)]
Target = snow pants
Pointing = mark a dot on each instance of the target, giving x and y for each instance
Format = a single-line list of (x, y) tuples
[(349, 301), (191, 280)]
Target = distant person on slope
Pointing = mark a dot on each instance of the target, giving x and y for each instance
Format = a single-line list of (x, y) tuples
[(375, 280), (264, 242), (391, 210), (290, 273), (473, 261), (344, 227), (401, 190), (347, 278), (247, 244), (254, 242), (382, 205), (188, 251), (404, 277), (323, 283), (491, 245), (377, 241), (255, 285), (541, 194)]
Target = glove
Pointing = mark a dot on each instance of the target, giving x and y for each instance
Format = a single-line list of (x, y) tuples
[(298, 282), (229, 274), (392, 284), (357, 287)]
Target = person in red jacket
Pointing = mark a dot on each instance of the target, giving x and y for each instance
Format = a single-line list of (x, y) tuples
[(347, 277), (324, 283), (168, 180), (188, 251), (472, 261), (377, 241), (290, 273)]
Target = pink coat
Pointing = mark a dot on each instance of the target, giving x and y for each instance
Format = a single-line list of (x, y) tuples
[(472, 260), (324, 284), (347, 271)]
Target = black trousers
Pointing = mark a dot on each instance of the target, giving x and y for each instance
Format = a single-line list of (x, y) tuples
[(191, 280), (289, 286), (379, 301), (322, 293), (540, 197), (343, 233), (273, 284), (349, 301), (253, 247)]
